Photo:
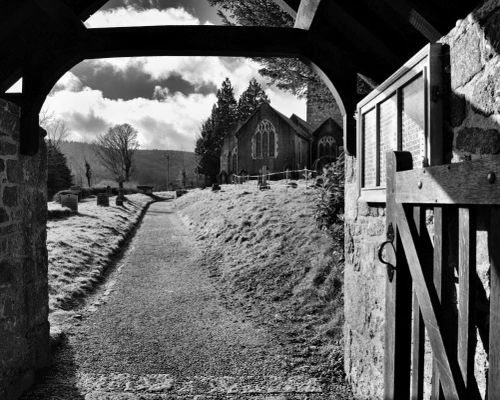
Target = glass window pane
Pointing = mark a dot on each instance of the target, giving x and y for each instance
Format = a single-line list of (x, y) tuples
[(388, 122), (369, 150), (271, 144), (258, 145), (265, 144), (413, 121)]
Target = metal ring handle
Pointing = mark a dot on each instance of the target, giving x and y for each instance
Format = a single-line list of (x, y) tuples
[(390, 268), (380, 251)]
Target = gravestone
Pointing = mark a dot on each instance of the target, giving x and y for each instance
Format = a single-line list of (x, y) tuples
[(263, 185), (102, 199), (70, 200), (77, 190)]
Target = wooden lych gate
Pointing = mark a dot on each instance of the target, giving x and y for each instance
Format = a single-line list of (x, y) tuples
[(432, 222)]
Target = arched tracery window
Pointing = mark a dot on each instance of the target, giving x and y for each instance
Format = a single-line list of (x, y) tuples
[(264, 140), (327, 147)]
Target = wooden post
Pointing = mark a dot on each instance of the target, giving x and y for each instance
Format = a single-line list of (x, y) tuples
[(466, 282), (443, 277), (418, 328), (494, 345), (398, 296)]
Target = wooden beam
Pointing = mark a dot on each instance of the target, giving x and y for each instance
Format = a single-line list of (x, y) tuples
[(85, 8), (336, 21), (16, 98), (398, 297), (466, 285), (471, 182), (494, 345), (306, 14), (286, 8), (415, 18), (60, 14), (228, 41)]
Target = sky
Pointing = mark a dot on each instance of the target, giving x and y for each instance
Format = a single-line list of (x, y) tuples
[(165, 98)]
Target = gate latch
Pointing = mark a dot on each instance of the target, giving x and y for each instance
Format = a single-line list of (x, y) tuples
[(390, 240)]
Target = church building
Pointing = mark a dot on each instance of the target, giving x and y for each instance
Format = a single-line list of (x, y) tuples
[(270, 139)]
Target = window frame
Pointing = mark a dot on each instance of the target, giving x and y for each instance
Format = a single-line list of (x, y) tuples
[(428, 64), (269, 136)]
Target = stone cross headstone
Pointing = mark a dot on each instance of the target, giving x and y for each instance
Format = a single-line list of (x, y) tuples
[(287, 174), (263, 172)]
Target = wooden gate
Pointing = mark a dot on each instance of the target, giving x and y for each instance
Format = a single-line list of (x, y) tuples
[(432, 217)]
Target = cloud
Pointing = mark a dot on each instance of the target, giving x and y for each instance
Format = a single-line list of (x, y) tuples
[(175, 120), (199, 8), (69, 81), (163, 135), (88, 125), (131, 80), (198, 74), (128, 16)]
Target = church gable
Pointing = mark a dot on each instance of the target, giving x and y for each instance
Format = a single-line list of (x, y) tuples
[(327, 143), (270, 139)]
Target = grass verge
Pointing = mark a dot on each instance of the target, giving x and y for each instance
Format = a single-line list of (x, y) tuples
[(266, 252), (80, 246)]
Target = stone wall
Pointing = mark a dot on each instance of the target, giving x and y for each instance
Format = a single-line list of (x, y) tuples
[(472, 128), (24, 330)]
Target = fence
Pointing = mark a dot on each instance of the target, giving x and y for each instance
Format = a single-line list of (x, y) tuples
[(287, 175)]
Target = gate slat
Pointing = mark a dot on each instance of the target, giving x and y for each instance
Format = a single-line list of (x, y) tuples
[(398, 304), (418, 329), (440, 279), (466, 280), (494, 336), (418, 347)]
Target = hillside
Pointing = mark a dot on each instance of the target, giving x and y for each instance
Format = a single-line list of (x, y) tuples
[(150, 166)]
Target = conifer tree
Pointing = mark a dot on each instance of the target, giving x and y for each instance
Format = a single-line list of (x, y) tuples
[(222, 121), (58, 173), (251, 99)]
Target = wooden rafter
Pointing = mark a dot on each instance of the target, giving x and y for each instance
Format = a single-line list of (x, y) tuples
[(306, 14), (286, 7), (415, 18)]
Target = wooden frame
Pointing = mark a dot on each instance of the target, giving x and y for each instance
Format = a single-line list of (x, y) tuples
[(425, 65)]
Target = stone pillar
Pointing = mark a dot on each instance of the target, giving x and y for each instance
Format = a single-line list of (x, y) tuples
[(24, 328)]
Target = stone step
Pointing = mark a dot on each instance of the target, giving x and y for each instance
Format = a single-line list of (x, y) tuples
[(117, 386)]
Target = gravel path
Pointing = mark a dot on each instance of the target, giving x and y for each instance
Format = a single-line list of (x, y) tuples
[(160, 330)]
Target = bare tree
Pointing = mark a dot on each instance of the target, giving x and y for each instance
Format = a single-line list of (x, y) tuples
[(115, 150), (45, 117), (56, 128), (57, 132)]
